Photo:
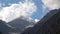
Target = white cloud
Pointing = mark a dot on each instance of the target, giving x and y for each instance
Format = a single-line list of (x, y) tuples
[(25, 9), (29, 19), (52, 4), (36, 20)]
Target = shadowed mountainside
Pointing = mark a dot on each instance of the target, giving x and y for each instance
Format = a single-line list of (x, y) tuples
[(4, 29), (49, 24)]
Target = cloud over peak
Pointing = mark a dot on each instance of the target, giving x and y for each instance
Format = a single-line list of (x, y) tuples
[(25, 9)]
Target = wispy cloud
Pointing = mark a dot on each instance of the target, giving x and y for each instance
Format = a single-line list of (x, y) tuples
[(52, 4), (43, 9), (25, 9)]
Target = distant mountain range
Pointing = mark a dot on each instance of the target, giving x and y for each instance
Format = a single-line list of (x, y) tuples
[(16, 26)]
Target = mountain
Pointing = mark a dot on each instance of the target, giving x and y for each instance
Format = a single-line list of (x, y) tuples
[(20, 24), (4, 29), (49, 24)]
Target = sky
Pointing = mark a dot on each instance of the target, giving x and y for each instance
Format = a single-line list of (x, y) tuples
[(32, 9)]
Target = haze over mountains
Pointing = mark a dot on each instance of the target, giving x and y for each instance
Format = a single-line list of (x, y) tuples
[(16, 26), (20, 24)]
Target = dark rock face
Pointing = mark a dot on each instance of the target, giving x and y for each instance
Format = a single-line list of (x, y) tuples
[(50, 24), (4, 29)]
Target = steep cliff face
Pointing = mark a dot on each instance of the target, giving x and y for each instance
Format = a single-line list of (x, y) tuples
[(49, 24)]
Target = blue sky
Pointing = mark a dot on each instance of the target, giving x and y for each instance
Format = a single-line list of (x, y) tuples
[(42, 7), (37, 15)]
